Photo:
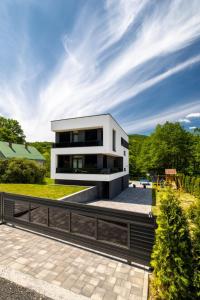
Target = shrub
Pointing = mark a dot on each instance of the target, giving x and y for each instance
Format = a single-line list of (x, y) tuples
[(192, 184), (196, 189), (194, 215), (196, 254), (21, 171), (172, 257)]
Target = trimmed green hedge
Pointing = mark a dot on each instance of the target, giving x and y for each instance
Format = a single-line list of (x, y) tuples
[(191, 184), (172, 254), (21, 171)]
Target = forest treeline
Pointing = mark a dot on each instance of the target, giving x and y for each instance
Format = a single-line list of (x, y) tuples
[(168, 146)]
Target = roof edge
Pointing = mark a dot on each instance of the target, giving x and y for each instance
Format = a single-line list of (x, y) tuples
[(98, 115)]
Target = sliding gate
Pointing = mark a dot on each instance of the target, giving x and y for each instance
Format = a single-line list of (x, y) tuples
[(115, 232)]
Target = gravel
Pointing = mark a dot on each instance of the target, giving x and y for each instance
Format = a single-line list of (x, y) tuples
[(12, 291)]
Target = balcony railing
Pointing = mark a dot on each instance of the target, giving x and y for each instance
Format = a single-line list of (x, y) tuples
[(78, 144), (88, 170)]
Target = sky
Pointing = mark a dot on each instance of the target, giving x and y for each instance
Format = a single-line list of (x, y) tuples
[(136, 59)]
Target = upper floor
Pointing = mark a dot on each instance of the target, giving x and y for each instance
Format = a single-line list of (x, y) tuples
[(91, 134)]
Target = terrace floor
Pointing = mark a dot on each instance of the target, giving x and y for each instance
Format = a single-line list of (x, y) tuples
[(131, 199), (62, 271)]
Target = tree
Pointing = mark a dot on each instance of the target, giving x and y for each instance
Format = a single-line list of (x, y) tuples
[(45, 149), (21, 171), (172, 257), (168, 147), (135, 145), (195, 157), (11, 131)]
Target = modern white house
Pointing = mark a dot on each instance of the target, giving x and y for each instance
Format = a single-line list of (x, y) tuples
[(91, 151)]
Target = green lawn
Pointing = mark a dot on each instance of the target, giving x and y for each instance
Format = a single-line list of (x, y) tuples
[(50, 190)]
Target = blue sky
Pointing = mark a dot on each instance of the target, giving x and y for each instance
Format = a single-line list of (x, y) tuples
[(136, 59)]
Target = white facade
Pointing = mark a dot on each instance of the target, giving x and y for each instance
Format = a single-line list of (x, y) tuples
[(108, 124)]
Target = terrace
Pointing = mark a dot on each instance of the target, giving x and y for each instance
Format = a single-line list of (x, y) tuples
[(89, 164), (79, 138)]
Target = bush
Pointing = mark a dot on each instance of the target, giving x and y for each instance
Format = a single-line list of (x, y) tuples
[(194, 215), (196, 189), (192, 184), (188, 184), (196, 255), (172, 257), (21, 171)]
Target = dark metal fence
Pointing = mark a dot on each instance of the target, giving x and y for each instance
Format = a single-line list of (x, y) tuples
[(119, 233)]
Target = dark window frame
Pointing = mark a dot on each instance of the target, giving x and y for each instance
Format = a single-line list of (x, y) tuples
[(114, 140), (124, 143)]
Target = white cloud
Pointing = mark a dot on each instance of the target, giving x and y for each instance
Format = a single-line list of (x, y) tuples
[(192, 127), (149, 122), (193, 115), (92, 75), (184, 120)]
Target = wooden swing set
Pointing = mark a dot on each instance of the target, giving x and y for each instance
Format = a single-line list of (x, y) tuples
[(170, 178)]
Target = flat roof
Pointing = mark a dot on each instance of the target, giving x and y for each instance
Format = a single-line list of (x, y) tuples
[(98, 115)]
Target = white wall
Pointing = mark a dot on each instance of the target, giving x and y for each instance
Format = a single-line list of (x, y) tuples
[(102, 121)]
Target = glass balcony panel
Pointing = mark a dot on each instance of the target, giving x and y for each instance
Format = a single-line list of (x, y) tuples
[(113, 232), (21, 210)]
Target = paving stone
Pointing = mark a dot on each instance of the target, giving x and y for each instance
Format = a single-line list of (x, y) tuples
[(98, 294), (87, 290), (22, 260), (101, 268), (136, 291), (80, 271), (110, 296), (94, 281)]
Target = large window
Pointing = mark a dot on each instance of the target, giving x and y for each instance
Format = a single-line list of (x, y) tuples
[(124, 143), (114, 140), (77, 162), (75, 136)]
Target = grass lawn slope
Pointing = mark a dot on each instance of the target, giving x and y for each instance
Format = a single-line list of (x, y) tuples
[(50, 191)]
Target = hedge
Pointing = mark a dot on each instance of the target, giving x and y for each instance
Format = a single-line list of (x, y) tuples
[(21, 171), (191, 185), (172, 254)]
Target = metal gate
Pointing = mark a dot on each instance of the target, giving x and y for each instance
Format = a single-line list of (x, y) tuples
[(123, 234)]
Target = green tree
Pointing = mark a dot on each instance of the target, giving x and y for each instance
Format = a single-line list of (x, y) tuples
[(172, 257), (169, 146), (45, 149), (195, 156), (196, 190), (135, 145), (11, 131), (21, 171)]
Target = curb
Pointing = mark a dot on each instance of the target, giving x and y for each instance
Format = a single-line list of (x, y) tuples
[(40, 286)]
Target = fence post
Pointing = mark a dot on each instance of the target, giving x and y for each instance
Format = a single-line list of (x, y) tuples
[(96, 228), (1, 209)]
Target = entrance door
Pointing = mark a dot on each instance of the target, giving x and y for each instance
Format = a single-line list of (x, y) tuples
[(77, 162)]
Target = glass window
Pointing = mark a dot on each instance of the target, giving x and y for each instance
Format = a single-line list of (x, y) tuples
[(114, 140), (75, 136), (77, 162)]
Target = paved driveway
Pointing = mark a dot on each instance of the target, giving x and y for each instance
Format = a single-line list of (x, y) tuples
[(131, 199), (61, 271)]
